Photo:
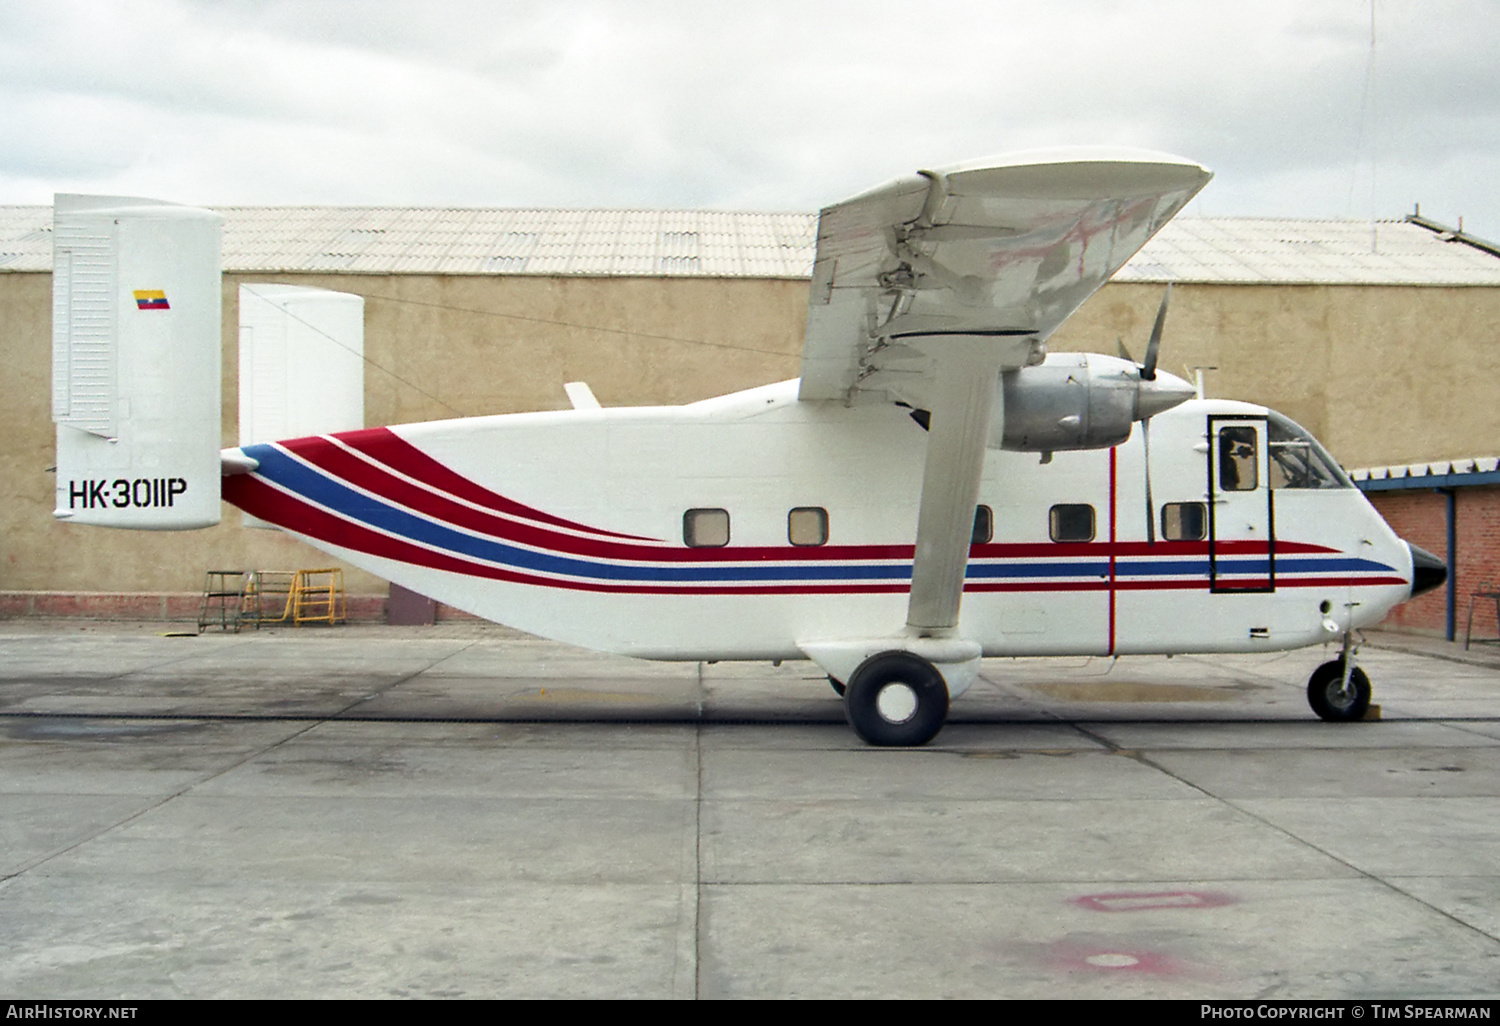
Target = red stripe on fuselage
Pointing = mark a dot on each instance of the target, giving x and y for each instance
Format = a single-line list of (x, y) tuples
[(397, 454), (345, 467), (401, 456), (389, 448), (261, 499)]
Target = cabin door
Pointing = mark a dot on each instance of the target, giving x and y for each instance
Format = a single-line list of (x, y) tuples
[(1241, 519)]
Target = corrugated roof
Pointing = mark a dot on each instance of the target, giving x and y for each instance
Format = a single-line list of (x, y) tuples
[(719, 244), (420, 240), (1256, 250), (1475, 470), (1439, 468), (25, 238)]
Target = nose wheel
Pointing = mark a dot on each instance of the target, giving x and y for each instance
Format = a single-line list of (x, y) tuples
[(896, 699), (1335, 699)]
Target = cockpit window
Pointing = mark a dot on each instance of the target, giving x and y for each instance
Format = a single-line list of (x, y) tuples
[(1298, 461)]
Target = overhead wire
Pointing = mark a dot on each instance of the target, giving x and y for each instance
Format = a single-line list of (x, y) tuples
[(1366, 133), (550, 322), (352, 351)]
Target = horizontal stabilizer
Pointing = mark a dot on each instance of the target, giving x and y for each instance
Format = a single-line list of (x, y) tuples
[(581, 395)]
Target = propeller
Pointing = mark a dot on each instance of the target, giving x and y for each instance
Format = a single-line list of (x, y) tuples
[(1148, 373), (1148, 369)]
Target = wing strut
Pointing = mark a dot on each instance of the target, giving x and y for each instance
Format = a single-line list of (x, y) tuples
[(965, 395)]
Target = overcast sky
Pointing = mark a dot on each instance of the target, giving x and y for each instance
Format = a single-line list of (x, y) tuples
[(771, 105)]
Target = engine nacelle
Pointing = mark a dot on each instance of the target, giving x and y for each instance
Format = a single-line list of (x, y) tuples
[(1078, 401)]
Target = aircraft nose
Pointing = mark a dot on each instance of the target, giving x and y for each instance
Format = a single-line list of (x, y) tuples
[(1427, 571), (1161, 394)]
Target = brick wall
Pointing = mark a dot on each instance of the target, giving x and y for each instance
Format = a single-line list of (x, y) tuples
[(167, 607), (1419, 517)]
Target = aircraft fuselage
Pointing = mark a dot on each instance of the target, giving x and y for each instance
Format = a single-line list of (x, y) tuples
[(751, 525)]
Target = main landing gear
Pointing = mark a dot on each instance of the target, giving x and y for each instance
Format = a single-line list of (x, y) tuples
[(896, 699)]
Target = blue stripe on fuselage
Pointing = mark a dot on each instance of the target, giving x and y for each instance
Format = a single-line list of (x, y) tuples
[(276, 466), (319, 487)]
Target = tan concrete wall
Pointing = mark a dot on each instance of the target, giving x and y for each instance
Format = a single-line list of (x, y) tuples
[(470, 345), (1382, 375)]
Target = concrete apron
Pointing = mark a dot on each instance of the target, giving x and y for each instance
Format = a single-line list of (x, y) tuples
[(454, 812)]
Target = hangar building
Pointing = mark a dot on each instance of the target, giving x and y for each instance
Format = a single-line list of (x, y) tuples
[(1382, 339)]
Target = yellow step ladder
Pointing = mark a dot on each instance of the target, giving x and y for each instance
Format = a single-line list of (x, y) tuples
[(268, 597), (294, 596), (318, 596)]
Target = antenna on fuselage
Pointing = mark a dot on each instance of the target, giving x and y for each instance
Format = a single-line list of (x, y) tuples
[(1197, 373)]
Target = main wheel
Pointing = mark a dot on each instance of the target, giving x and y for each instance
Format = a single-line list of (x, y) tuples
[(896, 698), (1330, 701)]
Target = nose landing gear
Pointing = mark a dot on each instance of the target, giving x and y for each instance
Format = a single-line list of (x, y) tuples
[(1339, 691), (1333, 699)]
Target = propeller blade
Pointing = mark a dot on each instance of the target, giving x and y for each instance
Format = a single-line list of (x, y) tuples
[(1120, 348), (1150, 507), (1148, 369)]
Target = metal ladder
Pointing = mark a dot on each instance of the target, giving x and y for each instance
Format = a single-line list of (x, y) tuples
[(318, 596), (273, 596), (223, 599), (268, 596)]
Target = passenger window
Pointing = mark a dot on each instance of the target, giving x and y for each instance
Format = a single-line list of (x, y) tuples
[(984, 525), (1072, 522), (807, 525), (1184, 521), (1237, 462), (705, 528)]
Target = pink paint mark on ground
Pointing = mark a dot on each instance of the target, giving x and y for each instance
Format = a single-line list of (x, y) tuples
[(1071, 957), (1130, 901)]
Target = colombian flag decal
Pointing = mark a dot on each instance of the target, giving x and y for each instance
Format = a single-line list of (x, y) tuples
[(151, 299)]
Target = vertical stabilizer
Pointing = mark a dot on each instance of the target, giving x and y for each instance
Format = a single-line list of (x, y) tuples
[(136, 362), (302, 369)]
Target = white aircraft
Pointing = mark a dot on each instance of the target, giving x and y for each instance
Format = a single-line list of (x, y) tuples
[(886, 516)]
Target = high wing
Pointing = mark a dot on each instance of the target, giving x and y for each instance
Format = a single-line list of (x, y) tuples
[(926, 289), (1004, 247)]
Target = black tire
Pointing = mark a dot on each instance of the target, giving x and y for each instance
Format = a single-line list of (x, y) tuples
[(896, 699), (836, 684), (1323, 693)]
